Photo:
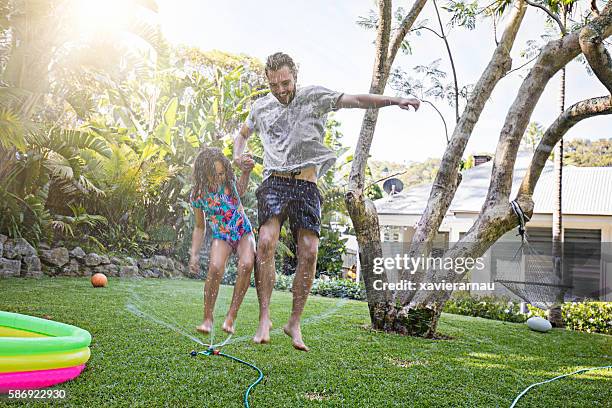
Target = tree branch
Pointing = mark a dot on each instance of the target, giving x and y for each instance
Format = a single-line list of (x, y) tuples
[(572, 115), (429, 29), (591, 44), (555, 55), (498, 220), (399, 36), (551, 14), (379, 76), (377, 86), (452, 62), (441, 117), (445, 184)]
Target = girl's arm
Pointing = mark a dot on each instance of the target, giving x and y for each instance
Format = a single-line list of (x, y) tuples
[(243, 182), (196, 241)]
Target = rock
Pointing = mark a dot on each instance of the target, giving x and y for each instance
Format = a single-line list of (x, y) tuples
[(50, 270), (23, 248), (93, 259), (9, 251), (108, 270), (10, 268), (31, 267), (179, 267), (104, 260), (128, 271), (32, 274), (131, 261), (152, 273), (539, 324), (115, 261), (3, 239), (72, 269), (145, 263), (86, 270), (162, 262), (77, 253), (42, 246), (55, 256)]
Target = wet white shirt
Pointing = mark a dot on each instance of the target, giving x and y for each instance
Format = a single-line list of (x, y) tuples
[(292, 135)]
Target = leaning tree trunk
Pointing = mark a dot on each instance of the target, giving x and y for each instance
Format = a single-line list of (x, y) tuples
[(361, 209), (418, 312)]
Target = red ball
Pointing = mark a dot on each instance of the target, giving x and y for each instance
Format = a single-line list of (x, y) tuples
[(99, 280)]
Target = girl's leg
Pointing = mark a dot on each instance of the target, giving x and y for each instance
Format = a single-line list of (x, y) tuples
[(219, 251), (246, 260)]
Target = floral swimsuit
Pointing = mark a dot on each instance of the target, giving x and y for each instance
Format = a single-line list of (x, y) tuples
[(226, 215)]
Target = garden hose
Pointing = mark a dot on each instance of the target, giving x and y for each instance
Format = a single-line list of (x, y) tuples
[(553, 379), (212, 351)]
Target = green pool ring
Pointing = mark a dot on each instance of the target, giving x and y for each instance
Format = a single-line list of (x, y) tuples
[(54, 337), (45, 361)]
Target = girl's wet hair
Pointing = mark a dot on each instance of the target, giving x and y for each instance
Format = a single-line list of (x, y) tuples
[(204, 172)]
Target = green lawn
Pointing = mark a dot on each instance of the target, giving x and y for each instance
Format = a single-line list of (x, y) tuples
[(139, 362)]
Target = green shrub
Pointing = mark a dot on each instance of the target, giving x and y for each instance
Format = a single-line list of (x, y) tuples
[(486, 307), (536, 311), (341, 288), (331, 249), (283, 282), (591, 317)]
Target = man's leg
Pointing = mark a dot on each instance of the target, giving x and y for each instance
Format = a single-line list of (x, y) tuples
[(265, 274), (307, 249)]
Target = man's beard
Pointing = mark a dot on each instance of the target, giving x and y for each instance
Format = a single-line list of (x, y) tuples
[(288, 98)]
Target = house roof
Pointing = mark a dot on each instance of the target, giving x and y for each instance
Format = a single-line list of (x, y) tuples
[(586, 191)]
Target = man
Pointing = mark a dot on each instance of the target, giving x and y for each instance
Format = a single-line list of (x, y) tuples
[(291, 124)]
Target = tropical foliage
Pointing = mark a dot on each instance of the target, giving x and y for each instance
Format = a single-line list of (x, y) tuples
[(99, 132)]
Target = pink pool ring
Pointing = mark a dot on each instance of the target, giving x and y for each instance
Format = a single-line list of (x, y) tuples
[(31, 380)]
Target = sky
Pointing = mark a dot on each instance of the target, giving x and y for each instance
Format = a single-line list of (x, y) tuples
[(333, 51)]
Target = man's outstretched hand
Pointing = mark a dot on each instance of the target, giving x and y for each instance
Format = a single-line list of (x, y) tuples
[(406, 103)]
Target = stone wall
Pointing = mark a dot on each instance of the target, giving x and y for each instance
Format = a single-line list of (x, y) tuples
[(20, 259)]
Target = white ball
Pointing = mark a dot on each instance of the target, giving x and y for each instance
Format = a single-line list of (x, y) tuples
[(539, 324)]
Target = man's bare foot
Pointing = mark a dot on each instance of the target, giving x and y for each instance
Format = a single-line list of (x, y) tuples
[(205, 327), (228, 325), (295, 333), (263, 332)]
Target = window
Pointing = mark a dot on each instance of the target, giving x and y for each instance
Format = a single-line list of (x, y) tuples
[(391, 233)]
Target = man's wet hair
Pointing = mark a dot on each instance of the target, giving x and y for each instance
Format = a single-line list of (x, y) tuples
[(278, 60)]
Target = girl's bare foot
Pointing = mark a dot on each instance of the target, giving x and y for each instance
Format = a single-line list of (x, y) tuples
[(263, 332), (205, 327), (295, 333), (228, 325)]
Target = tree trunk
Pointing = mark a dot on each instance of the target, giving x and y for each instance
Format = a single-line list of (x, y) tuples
[(554, 315), (417, 312), (496, 217), (361, 209)]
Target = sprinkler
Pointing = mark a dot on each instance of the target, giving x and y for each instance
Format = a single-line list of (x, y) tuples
[(212, 351)]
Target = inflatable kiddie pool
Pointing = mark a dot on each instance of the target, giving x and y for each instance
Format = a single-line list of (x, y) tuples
[(37, 353)]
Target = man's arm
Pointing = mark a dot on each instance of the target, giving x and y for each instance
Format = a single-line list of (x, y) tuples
[(367, 101), (239, 145)]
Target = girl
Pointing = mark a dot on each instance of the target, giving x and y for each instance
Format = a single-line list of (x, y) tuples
[(216, 195)]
